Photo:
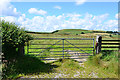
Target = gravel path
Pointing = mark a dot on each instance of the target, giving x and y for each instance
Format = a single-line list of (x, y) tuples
[(82, 56)]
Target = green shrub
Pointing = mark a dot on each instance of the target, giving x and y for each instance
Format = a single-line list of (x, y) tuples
[(13, 34), (110, 35), (82, 33), (12, 37)]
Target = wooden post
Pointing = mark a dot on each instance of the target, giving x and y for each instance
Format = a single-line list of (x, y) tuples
[(93, 46), (98, 44), (21, 50), (27, 47)]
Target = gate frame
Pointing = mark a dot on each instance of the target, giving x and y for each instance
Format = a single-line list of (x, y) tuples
[(63, 40)]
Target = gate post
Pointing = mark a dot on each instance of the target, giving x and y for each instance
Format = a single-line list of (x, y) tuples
[(93, 46), (63, 48), (98, 44), (21, 49), (27, 47)]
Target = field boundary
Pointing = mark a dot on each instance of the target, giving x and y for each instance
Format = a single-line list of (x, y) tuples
[(61, 43), (106, 44)]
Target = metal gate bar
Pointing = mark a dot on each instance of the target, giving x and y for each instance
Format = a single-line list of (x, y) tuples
[(50, 46), (63, 47), (63, 38), (75, 46)]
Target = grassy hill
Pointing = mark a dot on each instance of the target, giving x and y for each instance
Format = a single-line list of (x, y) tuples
[(73, 33), (69, 32)]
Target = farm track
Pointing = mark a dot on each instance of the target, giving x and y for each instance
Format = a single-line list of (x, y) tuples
[(77, 56), (61, 74)]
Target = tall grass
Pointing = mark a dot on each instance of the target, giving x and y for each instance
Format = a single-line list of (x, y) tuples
[(106, 60)]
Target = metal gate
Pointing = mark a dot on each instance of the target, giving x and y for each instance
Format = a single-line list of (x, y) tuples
[(56, 48)]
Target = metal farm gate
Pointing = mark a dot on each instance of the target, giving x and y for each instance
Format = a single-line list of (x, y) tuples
[(56, 48)]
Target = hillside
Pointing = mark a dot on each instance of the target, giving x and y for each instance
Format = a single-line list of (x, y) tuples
[(80, 33), (72, 31), (69, 31)]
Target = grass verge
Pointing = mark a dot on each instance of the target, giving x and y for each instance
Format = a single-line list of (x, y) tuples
[(106, 62), (25, 65)]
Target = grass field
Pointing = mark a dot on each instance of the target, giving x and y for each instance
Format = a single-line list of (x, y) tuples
[(69, 68), (99, 66), (67, 33)]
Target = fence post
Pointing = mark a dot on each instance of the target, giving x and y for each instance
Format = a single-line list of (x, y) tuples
[(27, 47), (63, 48), (93, 45), (98, 44), (21, 50)]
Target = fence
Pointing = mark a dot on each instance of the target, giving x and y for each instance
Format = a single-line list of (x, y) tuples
[(60, 47), (106, 44)]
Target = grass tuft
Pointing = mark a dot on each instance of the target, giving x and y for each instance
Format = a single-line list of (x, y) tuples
[(106, 60)]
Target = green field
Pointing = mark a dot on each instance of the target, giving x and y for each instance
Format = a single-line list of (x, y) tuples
[(98, 66), (66, 33)]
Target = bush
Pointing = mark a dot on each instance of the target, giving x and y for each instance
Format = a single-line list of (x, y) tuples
[(13, 34), (76, 34), (110, 35), (82, 33), (12, 37)]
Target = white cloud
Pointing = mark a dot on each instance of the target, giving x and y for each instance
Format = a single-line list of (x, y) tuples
[(6, 9), (57, 7), (117, 16), (80, 2), (73, 17), (9, 18), (21, 18), (65, 21), (35, 11), (101, 18), (112, 23)]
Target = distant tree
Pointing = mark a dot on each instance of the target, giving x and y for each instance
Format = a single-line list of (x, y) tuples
[(82, 33), (109, 31), (55, 31), (110, 35), (76, 34)]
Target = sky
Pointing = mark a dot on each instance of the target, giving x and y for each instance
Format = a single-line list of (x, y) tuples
[(49, 16)]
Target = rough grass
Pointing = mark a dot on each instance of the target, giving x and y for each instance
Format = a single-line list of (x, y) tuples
[(68, 68), (25, 65), (107, 61), (30, 66)]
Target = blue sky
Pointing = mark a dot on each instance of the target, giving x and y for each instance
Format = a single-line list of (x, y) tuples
[(50, 16), (95, 8)]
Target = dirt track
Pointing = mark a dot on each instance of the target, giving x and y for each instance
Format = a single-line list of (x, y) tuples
[(80, 57)]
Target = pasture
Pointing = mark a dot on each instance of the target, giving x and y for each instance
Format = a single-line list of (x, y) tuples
[(80, 44), (68, 68), (88, 46)]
